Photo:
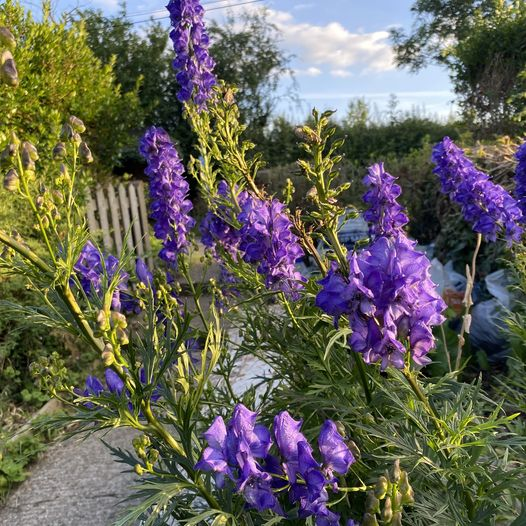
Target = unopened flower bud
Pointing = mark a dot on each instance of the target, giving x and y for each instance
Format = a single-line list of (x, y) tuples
[(7, 39), (8, 71), (118, 320), (8, 152), (39, 201), (382, 485), (67, 131), (372, 504), (102, 320), (85, 153), (153, 456), (312, 193), (108, 358), (29, 155), (387, 513), (59, 151), (369, 520), (76, 124), (139, 470), (76, 138), (122, 336), (45, 222), (396, 471), (397, 500), (58, 196), (355, 450), (11, 180)]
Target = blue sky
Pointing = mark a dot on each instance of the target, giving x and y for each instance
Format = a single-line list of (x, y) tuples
[(341, 50)]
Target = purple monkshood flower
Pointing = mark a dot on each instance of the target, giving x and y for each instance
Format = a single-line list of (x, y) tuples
[(143, 273), (265, 238), (336, 455), (487, 206), (390, 300), (192, 62), (268, 242), (169, 203), (240, 449), (520, 178), (91, 268), (385, 214), (217, 229)]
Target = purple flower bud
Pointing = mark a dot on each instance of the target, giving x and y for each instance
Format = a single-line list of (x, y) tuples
[(143, 272), (114, 382)]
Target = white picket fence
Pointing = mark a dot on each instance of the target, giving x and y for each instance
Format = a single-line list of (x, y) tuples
[(119, 210)]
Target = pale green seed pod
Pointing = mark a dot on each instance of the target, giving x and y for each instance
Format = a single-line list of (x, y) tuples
[(7, 40), (369, 520), (397, 519), (387, 513), (76, 124), (11, 181), (372, 504), (382, 485)]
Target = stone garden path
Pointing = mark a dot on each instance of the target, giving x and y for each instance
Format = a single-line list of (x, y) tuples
[(77, 482)]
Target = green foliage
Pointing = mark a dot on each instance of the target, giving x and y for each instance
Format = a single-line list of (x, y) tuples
[(60, 76), (14, 458), (248, 55), (482, 44)]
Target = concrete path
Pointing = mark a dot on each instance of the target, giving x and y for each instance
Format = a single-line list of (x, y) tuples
[(78, 482)]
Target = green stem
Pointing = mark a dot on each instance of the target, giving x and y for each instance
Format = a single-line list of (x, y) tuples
[(363, 375), (423, 398), (468, 302)]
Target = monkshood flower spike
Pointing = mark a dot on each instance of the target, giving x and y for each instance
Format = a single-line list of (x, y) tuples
[(387, 295), (386, 216), (169, 203), (489, 208), (520, 178), (243, 451), (192, 61)]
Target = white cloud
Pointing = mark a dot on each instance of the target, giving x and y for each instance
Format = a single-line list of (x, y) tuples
[(381, 95), (330, 45), (334, 45), (341, 73), (308, 72)]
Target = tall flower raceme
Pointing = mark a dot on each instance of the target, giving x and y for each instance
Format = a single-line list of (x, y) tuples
[(268, 242), (388, 295), (169, 203), (385, 215), (487, 206), (192, 61), (520, 179), (242, 451)]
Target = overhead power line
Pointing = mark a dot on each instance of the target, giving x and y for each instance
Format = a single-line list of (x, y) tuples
[(211, 9), (148, 13)]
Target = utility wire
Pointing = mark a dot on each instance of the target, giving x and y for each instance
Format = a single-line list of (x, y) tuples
[(148, 13), (211, 9)]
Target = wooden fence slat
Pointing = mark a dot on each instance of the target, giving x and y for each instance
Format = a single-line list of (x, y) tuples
[(125, 215), (90, 212), (144, 223), (102, 206), (115, 219), (136, 220)]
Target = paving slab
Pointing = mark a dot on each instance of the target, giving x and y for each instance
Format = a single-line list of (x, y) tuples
[(76, 483)]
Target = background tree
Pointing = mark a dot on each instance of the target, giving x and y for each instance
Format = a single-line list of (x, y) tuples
[(483, 44), (248, 55)]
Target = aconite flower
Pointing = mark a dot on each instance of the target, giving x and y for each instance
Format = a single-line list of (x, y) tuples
[(169, 203), (489, 208)]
